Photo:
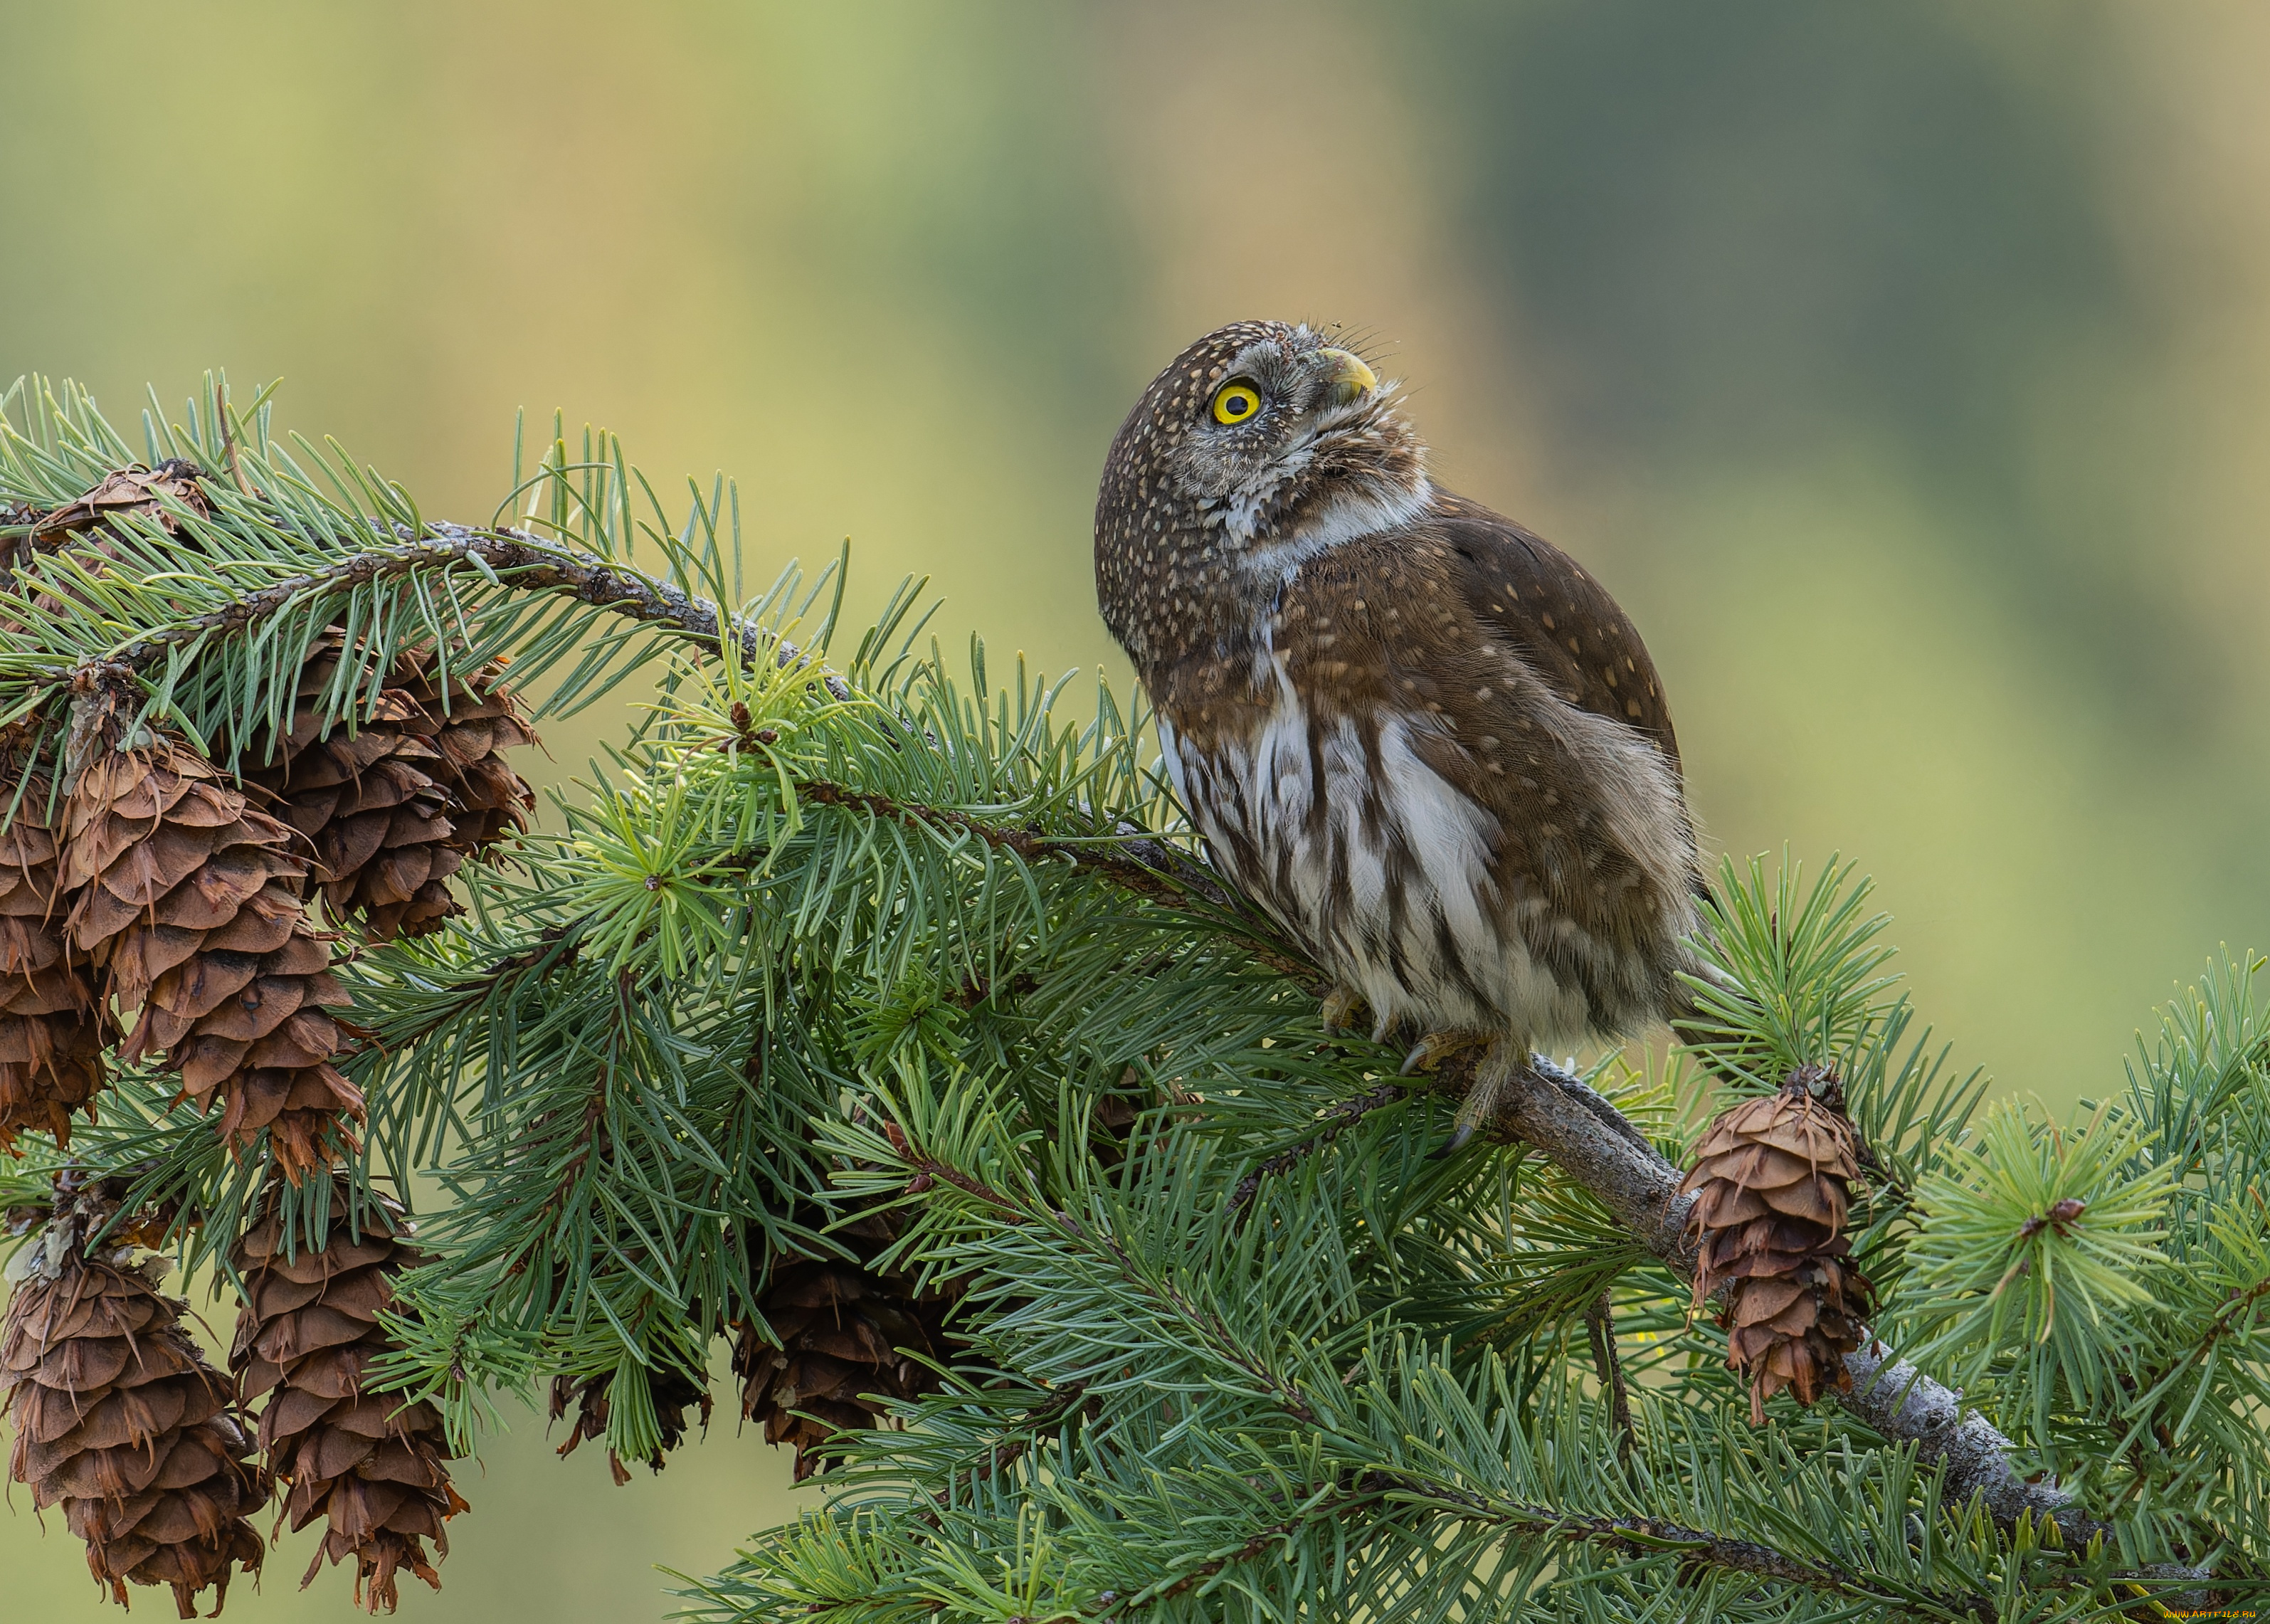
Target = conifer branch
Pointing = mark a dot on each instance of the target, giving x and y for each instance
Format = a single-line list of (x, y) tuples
[(1603, 1152), (1641, 1189), (586, 1143), (1199, 1321), (548, 949), (1599, 1148), (1571, 1124), (1644, 1537), (523, 559), (1638, 1537), (1147, 879), (1442, 1499)]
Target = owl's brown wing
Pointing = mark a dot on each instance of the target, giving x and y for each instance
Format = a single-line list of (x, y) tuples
[(1563, 622)]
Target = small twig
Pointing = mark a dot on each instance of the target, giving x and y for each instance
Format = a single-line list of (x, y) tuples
[(1151, 873), (1337, 1118), (543, 952), (2235, 1309), (1600, 1320), (1045, 1417), (592, 1141), (1640, 1537), (527, 560), (929, 1172), (229, 450), (1027, 843)]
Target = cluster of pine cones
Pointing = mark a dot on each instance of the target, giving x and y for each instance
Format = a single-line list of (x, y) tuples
[(1774, 1175), (160, 905), (159, 884), (119, 1419), (185, 915)]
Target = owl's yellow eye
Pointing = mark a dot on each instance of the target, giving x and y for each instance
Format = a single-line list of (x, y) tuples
[(1235, 403)]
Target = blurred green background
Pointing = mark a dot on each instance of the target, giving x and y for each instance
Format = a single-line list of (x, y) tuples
[(1905, 368)]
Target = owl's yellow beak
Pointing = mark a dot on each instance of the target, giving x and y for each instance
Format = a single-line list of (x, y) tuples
[(1348, 378)]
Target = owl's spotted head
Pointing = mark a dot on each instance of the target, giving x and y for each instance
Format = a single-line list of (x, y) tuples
[(1258, 446)]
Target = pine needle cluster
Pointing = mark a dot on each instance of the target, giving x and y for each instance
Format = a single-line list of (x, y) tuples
[(874, 1014)]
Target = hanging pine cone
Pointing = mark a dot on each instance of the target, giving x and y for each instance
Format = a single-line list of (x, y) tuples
[(367, 1463), (835, 1327), (118, 1416), (53, 1026), (370, 802), (1775, 1175), (475, 722), (673, 1391), (189, 901), (394, 804)]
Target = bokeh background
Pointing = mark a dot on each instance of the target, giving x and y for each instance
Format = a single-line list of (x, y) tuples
[(1905, 368)]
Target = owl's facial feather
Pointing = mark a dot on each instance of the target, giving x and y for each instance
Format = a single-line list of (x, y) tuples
[(1307, 391), (1199, 509)]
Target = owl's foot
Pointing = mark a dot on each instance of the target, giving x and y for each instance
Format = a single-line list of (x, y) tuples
[(1341, 1006), (1437, 1047), (1493, 1082)]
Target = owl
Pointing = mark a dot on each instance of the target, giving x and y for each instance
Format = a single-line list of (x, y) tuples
[(1420, 736)]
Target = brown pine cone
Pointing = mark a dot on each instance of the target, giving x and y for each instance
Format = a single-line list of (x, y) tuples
[(367, 1463), (118, 1416), (189, 901), (836, 1329), (476, 722), (1775, 1175), (53, 1026), (394, 804), (673, 1392), (371, 803)]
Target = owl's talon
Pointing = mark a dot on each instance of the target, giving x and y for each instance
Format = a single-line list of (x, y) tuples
[(1457, 1142), (1340, 1009), (1493, 1082), (1437, 1047)]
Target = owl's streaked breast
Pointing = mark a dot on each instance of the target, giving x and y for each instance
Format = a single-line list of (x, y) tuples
[(1357, 847)]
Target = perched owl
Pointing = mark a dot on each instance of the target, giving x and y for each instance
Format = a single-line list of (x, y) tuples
[(1420, 736)]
